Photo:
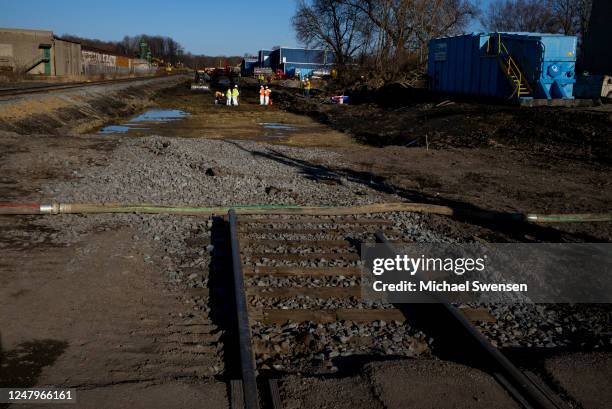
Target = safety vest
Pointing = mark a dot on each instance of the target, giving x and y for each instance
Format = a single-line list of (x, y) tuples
[(235, 92), (262, 92), (268, 92), (307, 85), (228, 93)]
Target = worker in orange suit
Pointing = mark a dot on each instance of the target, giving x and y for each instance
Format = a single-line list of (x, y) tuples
[(267, 93), (218, 97)]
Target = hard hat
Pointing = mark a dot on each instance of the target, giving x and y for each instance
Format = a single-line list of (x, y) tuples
[(235, 86)]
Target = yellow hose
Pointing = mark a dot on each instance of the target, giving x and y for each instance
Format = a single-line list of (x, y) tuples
[(67, 208)]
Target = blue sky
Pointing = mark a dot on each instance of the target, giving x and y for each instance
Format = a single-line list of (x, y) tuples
[(220, 27)]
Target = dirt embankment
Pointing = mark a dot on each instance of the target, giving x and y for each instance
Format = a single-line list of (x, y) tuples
[(573, 133), (78, 110), (479, 156)]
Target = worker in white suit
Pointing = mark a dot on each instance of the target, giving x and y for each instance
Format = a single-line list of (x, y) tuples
[(262, 96)]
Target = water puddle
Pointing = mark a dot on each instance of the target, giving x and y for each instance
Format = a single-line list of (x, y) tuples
[(146, 120), (160, 115), (280, 130), (274, 125), (114, 129)]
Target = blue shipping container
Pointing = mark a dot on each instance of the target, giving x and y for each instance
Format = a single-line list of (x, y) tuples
[(517, 65)]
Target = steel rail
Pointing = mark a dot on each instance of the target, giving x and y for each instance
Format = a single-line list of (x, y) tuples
[(247, 361), (503, 368), (59, 87)]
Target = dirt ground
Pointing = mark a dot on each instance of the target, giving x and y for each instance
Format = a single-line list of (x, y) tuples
[(95, 309), (246, 121)]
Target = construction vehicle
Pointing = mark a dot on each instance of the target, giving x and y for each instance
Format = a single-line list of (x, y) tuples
[(201, 81)]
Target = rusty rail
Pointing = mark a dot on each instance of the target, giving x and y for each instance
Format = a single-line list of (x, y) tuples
[(247, 361)]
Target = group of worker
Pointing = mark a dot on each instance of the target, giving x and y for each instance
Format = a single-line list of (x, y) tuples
[(264, 95), (232, 94)]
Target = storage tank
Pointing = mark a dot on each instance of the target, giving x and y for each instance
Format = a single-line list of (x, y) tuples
[(504, 65)]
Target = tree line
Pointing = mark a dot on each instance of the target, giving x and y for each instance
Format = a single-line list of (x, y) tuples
[(162, 48), (392, 35)]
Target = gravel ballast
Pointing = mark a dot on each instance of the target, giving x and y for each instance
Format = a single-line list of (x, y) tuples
[(192, 172)]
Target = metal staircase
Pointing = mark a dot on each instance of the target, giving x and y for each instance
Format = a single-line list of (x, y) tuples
[(510, 68), (34, 62)]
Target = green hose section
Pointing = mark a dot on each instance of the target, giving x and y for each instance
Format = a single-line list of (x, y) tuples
[(569, 218)]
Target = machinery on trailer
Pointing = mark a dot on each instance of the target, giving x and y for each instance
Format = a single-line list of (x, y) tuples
[(201, 81)]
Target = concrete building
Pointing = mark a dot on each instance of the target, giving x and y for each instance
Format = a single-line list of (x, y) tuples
[(66, 57), (26, 51), (38, 52)]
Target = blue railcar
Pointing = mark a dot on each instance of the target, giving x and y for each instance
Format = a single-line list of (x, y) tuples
[(247, 65), (300, 62), (263, 57), (504, 65)]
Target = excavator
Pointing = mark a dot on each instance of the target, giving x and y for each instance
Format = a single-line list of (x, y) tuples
[(167, 66)]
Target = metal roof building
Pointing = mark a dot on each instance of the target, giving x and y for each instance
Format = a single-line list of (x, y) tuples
[(299, 62)]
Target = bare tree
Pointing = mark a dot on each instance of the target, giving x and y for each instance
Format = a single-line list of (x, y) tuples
[(333, 25), (519, 15), (548, 16), (405, 26), (571, 16)]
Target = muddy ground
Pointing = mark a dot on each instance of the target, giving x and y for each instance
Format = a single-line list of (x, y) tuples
[(112, 305)]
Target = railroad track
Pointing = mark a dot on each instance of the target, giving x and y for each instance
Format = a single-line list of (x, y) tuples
[(299, 308), (299, 277), (58, 87)]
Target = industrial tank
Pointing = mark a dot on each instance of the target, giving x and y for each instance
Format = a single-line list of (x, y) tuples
[(504, 65)]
